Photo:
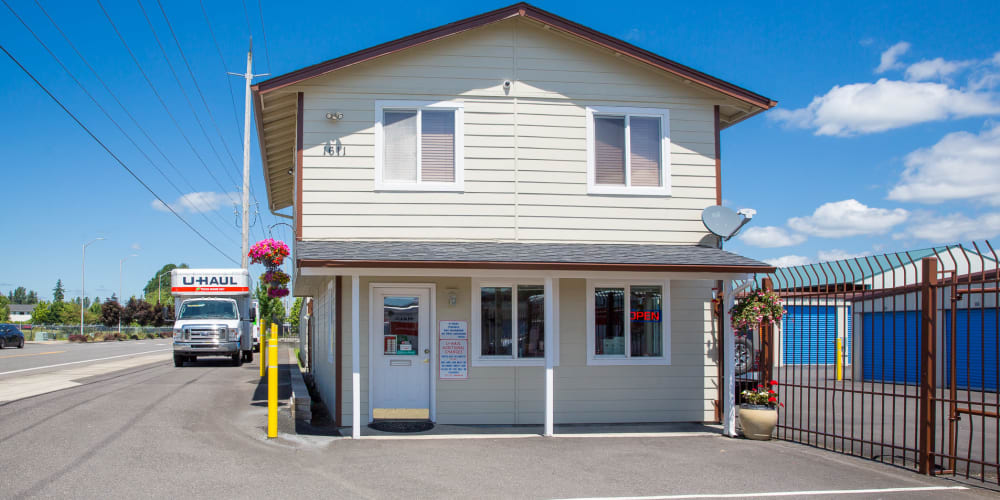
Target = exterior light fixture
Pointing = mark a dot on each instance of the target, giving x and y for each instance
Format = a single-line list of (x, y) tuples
[(334, 116)]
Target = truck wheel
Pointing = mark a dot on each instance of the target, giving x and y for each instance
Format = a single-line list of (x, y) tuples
[(247, 356), (238, 358), (178, 360)]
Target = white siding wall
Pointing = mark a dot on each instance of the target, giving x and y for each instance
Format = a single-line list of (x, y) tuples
[(525, 151), (683, 391)]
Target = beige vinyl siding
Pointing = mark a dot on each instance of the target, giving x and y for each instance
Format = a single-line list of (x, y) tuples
[(525, 163), (684, 391)]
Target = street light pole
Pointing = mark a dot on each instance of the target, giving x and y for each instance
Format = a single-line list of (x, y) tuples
[(158, 285), (121, 266), (83, 276)]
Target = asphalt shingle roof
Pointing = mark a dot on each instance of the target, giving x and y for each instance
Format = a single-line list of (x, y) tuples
[(509, 252)]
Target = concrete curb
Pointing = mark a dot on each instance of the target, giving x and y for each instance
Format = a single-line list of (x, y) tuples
[(300, 402)]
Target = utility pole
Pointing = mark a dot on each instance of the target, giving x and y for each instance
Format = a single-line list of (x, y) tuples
[(248, 76), (83, 276)]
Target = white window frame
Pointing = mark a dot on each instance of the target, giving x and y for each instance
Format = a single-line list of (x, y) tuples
[(626, 359), (477, 358), (664, 188), (458, 184)]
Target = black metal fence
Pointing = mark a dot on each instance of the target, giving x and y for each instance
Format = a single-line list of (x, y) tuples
[(893, 357)]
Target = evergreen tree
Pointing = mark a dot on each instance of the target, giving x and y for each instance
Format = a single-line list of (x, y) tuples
[(58, 293), (32, 297)]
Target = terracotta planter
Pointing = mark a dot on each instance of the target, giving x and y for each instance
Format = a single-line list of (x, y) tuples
[(758, 421)]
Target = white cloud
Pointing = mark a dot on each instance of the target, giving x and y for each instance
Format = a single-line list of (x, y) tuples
[(960, 166), (136, 246), (935, 68), (953, 227), (770, 237), (890, 58), (837, 254), (865, 108), (848, 218), (788, 261), (202, 201)]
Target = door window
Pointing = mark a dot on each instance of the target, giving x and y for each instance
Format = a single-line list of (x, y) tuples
[(400, 325)]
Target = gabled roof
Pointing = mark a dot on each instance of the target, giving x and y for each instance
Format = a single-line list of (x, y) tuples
[(530, 12)]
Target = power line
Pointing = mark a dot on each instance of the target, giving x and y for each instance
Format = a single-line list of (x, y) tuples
[(267, 51), (222, 59), (187, 99), (160, 98), (111, 153), (246, 17), (99, 106)]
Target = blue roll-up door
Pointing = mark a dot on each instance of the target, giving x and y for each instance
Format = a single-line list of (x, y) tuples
[(849, 335), (809, 335), (891, 347), (976, 347)]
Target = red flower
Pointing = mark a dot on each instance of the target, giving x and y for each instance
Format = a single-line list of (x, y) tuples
[(772, 399), (774, 382), (769, 391), (781, 405)]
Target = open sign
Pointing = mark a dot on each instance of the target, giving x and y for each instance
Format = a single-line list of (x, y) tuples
[(646, 316)]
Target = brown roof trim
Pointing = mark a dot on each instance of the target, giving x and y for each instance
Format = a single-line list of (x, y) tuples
[(539, 266), (530, 12)]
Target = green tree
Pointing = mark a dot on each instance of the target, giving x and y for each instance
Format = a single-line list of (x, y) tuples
[(20, 295), (4, 308), (95, 306), (271, 309), (151, 289), (69, 314), (295, 314), (58, 293), (40, 315)]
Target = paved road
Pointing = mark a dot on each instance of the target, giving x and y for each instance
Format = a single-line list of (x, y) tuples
[(36, 356), (159, 431)]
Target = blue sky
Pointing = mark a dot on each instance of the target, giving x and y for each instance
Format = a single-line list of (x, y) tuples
[(884, 139)]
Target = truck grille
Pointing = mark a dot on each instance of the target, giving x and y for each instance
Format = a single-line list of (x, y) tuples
[(204, 334)]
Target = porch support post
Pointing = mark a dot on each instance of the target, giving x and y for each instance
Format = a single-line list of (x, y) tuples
[(355, 357), (549, 354), (728, 344)]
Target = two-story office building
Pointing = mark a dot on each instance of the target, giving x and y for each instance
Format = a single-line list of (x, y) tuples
[(498, 221)]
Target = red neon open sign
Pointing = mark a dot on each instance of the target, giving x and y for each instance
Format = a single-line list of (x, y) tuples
[(645, 315)]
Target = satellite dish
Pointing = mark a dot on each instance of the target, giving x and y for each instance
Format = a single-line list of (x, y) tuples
[(724, 222)]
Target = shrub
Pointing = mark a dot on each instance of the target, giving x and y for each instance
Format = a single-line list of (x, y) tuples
[(76, 337)]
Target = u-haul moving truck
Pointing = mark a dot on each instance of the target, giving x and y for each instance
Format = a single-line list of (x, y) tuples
[(214, 316)]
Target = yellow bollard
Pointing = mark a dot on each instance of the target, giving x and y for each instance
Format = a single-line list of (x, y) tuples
[(840, 359), (272, 383), (261, 335)]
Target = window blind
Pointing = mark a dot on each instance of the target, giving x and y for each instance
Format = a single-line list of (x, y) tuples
[(437, 143), (399, 131), (609, 150), (644, 150)]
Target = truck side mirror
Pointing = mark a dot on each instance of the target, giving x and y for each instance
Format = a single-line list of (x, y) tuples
[(253, 313)]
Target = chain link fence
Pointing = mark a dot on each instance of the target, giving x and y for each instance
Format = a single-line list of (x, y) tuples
[(94, 332)]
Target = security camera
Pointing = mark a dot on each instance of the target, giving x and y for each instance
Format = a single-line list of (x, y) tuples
[(334, 116), (506, 84), (747, 212)]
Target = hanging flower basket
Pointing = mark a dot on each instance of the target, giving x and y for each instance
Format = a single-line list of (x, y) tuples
[(271, 253), (756, 308)]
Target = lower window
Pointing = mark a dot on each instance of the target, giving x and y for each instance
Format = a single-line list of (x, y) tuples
[(508, 323), (628, 323)]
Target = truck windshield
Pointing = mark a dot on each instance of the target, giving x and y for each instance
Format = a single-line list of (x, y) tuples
[(208, 309)]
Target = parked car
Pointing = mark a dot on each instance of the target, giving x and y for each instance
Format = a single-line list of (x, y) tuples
[(11, 336)]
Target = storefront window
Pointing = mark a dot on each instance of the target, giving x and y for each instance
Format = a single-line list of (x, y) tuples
[(499, 315), (496, 321), (627, 323), (646, 307), (530, 321), (609, 309)]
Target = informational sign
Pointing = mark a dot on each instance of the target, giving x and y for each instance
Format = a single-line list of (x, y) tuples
[(454, 359), (454, 330)]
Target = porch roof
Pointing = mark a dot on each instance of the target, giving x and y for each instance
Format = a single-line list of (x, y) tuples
[(512, 255)]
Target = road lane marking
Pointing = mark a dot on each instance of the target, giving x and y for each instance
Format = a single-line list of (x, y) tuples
[(32, 354), (785, 493), (83, 361)]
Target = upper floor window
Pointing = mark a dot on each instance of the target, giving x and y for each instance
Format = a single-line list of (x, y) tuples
[(418, 146), (628, 151)]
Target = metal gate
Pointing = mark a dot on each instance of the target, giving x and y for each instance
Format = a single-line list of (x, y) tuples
[(918, 384)]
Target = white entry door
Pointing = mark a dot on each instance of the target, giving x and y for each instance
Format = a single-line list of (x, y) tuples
[(401, 354)]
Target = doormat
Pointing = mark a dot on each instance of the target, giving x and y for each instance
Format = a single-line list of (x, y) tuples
[(402, 425)]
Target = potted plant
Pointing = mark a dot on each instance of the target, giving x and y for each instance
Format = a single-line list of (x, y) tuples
[(271, 253), (759, 411)]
